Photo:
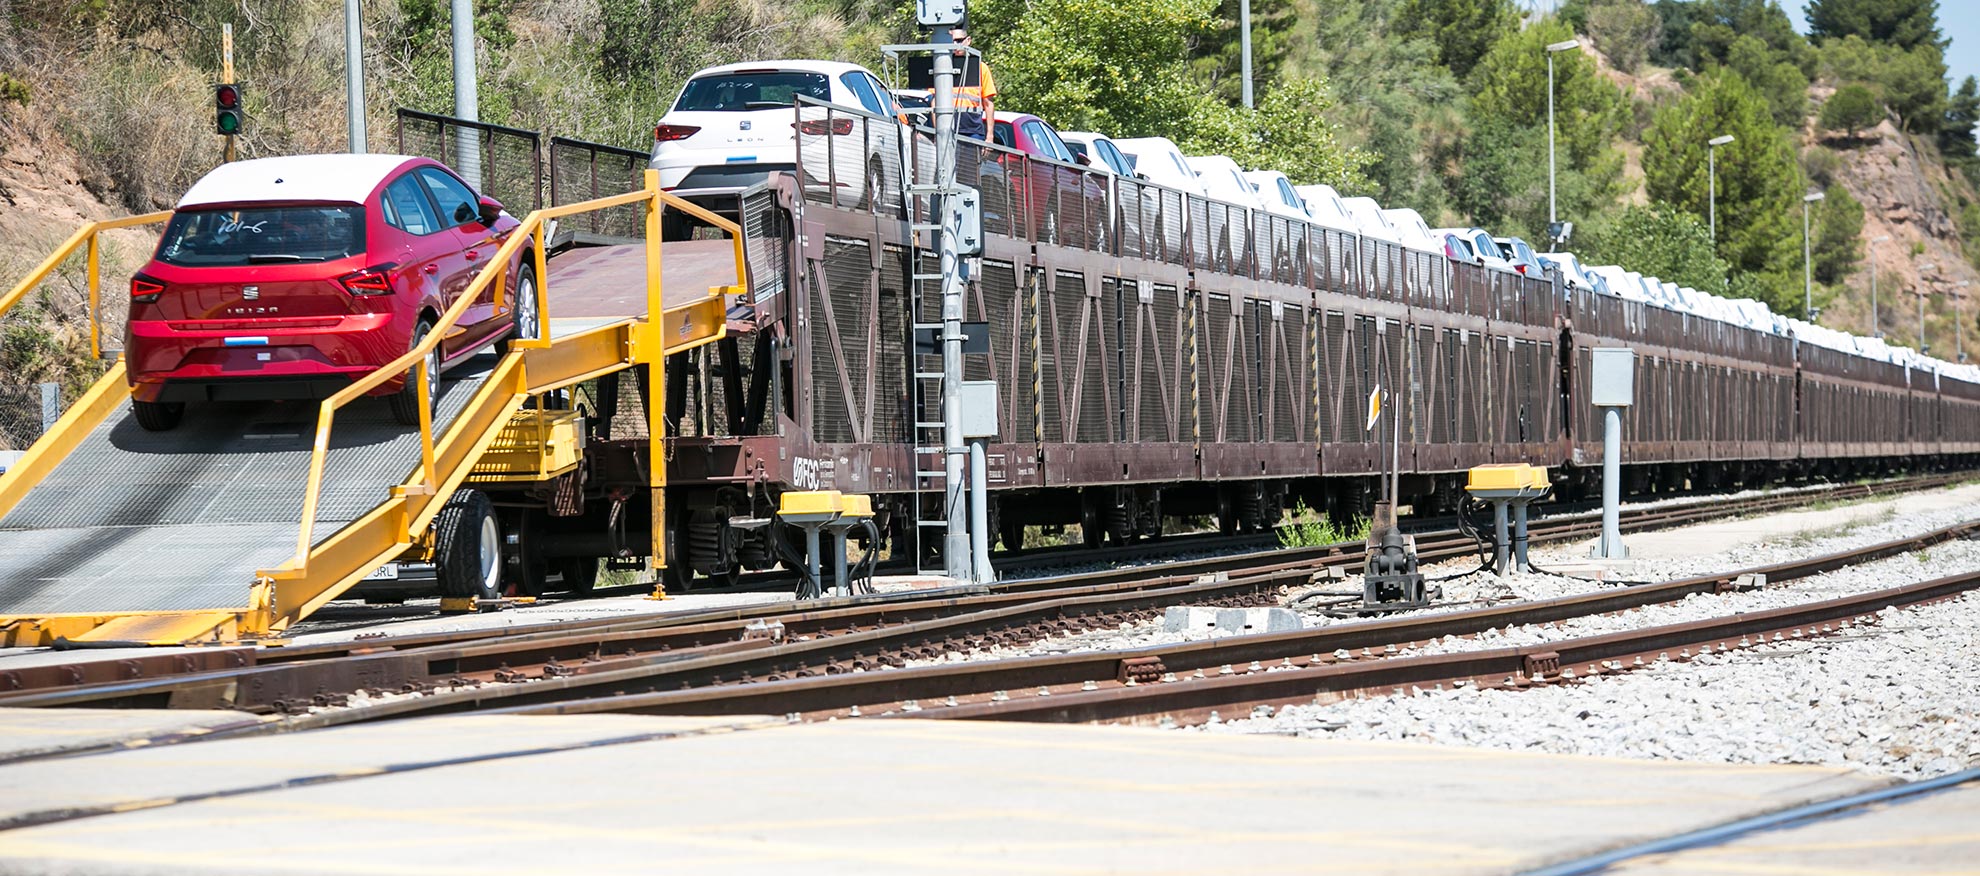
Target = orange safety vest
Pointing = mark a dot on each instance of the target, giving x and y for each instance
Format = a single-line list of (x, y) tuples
[(976, 98)]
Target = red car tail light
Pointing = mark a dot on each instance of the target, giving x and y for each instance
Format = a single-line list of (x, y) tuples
[(664, 133), (818, 127), (370, 281), (145, 290)]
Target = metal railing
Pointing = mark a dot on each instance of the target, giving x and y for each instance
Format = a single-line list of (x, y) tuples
[(510, 166), (444, 462), (581, 171), (56, 443)]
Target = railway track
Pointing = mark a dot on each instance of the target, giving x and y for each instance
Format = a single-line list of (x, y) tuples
[(822, 659), (1185, 682)]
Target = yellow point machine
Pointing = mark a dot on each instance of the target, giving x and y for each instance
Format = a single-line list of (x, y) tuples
[(1514, 484)]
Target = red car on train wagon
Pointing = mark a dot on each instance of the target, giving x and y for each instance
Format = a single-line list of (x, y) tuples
[(288, 278)]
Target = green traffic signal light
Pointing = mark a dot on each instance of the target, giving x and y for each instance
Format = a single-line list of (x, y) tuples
[(227, 111)]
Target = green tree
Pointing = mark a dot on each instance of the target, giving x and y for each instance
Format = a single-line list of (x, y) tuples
[(1659, 241), (1509, 84), (1219, 54), (1625, 30), (1838, 235), (1717, 24), (1098, 66), (1910, 82), (1463, 30), (1759, 184), (1774, 74), (1956, 138), (1850, 109), (1906, 24)]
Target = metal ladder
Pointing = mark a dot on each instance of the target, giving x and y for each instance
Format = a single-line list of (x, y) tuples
[(930, 472)]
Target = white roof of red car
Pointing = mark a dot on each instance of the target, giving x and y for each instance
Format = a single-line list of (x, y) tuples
[(339, 177)]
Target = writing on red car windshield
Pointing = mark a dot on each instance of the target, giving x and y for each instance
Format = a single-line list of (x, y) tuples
[(262, 235)]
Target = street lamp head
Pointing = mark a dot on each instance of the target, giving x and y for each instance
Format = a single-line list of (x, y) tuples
[(1880, 238), (1812, 196), (1564, 45), (1928, 266), (1720, 140)]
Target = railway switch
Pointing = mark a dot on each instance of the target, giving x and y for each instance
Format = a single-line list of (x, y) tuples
[(1390, 579)]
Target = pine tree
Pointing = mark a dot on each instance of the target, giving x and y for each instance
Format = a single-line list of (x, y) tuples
[(1759, 180), (1906, 24), (1956, 138), (1850, 109)]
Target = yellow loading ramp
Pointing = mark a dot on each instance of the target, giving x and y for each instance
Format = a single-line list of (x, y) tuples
[(211, 532)]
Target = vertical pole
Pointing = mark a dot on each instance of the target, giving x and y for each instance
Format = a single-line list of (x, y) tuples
[(656, 390), (979, 513), (955, 546), (1611, 546), (1244, 46), (1807, 269), (1551, 217), (841, 584), (1520, 562), (466, 100), (354, 75), (816, 586), (1876, 327), (227, 75), (1921, 320), (1501, 543), (1712, 200), (51, 405)]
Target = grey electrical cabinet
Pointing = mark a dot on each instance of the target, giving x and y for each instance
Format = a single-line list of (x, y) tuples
[(1612, 377)]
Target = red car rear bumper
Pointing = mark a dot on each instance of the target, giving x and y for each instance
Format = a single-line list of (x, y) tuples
[(266, 358)]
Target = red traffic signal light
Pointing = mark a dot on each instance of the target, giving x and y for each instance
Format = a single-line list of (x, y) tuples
[(227, 112)]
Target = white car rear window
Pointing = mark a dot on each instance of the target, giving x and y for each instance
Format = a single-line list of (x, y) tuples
[(751, 90)]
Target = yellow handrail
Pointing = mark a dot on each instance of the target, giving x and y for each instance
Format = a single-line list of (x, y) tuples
[(428, 482), (84, 236)]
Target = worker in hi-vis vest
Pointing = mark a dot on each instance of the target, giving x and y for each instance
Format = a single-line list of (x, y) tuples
[(976, 96)]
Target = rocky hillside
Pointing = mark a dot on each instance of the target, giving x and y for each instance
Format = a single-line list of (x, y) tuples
[(1911, 197)]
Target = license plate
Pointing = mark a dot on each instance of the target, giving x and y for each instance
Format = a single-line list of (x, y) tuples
[(387, 572)]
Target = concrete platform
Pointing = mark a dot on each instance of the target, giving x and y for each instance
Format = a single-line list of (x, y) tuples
[(628, 794), (1937, 834)]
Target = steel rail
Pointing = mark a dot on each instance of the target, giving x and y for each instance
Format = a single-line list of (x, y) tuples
[(1191, 700), (296, 677), (964, 689)]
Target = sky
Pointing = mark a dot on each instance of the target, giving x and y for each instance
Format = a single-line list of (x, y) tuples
[(1959, 20)]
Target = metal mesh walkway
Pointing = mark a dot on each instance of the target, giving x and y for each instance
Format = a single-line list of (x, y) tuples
[(175, 521)]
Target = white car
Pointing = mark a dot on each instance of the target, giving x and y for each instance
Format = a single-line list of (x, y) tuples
[(1158, 160), (1368, 218), (1482, 245), (1223, 180), (735, 124), (1276, 193), (1098, 153), (1324, 207)]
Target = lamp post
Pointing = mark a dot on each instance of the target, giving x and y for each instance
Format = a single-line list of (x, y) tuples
[(1923, 348), (1807, 265), (1876, 328), (1712, 180), (1561, 46), (1959, 344)]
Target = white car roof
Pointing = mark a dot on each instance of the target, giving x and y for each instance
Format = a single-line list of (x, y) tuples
[(829, 68), (1324, 205), (1414, 231), (342, 178), (1368, 217), (1158, 159), (1085, 137), (1222, 178)]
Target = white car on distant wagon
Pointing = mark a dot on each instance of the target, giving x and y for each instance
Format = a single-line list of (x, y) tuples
[(735, 124)]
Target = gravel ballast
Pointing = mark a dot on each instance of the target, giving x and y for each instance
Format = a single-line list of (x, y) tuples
[(1900, 697)]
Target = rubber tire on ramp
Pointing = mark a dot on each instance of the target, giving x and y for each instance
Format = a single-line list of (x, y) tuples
[(523, 312), (405, 402), (461, 539), (157, 416)]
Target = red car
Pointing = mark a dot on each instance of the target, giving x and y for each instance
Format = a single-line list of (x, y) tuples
[(1066, 181), (288, 278)]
